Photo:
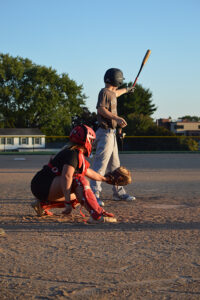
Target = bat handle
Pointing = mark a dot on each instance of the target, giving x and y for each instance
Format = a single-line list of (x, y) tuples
[(135, 82)]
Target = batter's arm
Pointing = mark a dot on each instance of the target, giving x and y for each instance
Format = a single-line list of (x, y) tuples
[(120, 92)]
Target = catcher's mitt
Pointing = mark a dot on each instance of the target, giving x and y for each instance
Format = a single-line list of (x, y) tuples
[(120, 176)]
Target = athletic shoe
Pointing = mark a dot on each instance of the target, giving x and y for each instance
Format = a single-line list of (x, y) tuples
[(100, 202), (124, 197), (68, 209), (2, 232), (102, 219), (40, 211)]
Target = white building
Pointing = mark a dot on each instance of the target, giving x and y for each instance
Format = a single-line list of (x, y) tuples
[(184, 127), (21, 138), (180, 127)]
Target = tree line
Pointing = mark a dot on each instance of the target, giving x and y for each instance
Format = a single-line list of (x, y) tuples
[(35, 96)]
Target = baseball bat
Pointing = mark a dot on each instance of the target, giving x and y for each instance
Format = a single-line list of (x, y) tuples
[(142, 65)]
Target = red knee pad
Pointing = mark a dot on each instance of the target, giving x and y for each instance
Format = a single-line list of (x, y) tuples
[(88, 200)]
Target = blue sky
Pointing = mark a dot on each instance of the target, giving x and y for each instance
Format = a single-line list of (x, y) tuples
[(84, 38)]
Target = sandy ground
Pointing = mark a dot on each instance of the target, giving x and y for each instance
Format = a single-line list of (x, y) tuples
[(152, 252)]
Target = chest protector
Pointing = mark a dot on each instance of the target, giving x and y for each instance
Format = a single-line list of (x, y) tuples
[(83, 165)]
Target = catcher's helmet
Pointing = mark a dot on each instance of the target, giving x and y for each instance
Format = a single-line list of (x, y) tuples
[(83, 135), (114, 77)]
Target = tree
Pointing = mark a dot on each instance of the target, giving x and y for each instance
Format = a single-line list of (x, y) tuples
[(139, 102), (86, 117), (137, 109), (191, 118), (36, 96), (188, 143), (1, 120)]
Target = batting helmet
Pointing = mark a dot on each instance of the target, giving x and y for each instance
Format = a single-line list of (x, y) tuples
[(114, 77), (83, 135)]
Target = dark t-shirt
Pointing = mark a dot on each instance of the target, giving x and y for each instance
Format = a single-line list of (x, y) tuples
[(65, 157), (42, 180), (108, 100)]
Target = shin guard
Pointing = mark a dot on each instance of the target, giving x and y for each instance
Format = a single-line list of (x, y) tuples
[(86, 197)]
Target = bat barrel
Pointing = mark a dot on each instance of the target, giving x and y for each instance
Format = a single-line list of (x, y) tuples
[(146, 57), (142, 65)]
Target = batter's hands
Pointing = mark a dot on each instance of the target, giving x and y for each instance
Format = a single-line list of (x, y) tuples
[(121, 122), (130, 89)]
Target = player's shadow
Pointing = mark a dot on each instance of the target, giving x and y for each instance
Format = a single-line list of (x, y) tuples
[(14, 200), (47, 226), (17, 172)]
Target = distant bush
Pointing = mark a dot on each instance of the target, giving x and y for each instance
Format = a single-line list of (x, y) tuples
[(187, 143)]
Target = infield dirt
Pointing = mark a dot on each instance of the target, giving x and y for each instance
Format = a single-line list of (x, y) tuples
[(152, 252)]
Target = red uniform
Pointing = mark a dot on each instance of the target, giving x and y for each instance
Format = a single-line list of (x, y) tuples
[(83, 136), (42, 181)]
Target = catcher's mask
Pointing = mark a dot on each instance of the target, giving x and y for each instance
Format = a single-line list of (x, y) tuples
[(114, 77), (83, 135)]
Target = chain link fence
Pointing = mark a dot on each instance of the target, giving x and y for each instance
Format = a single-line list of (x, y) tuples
[(140, 143)]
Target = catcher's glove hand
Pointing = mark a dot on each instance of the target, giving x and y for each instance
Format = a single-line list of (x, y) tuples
[(120, 176)]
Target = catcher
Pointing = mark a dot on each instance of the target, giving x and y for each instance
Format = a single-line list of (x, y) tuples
[(62, 182)]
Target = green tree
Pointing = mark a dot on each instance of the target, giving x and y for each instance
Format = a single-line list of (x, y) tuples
[(85, 117), (36, 96), (1, 120), (187, 143), (139, 102), (138, 124), (136, 108), (190, 118)]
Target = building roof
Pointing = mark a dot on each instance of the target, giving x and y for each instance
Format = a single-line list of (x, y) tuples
[(20, 131)]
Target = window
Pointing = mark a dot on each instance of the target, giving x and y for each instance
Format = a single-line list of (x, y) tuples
[(7, 141), (36, 141), (10, 141), (179, 127), (199, 126), (25, 141), (3, 141)]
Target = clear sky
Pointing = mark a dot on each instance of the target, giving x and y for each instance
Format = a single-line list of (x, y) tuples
[(84, 38)]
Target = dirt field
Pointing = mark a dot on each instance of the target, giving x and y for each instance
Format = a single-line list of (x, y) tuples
[(152, 252)]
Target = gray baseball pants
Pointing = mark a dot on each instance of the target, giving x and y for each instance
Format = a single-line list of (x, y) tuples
[(106, 158)]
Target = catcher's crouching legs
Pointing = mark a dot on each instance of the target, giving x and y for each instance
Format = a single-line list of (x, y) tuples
[(86, 197), (42, 208)]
